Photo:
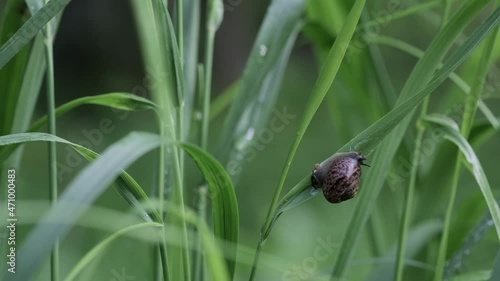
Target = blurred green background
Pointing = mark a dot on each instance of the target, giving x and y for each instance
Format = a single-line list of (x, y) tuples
[(97, 51)]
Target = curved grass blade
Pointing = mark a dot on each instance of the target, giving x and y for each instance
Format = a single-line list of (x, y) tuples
[(92, 254), (367, 140), (323, 83), (419, 78), (223, 198), (451, 132), (259, 86), (160, 51), (125, 185), (30, 29), (477, 234), (78, 196), (121, 101), (459, 82)]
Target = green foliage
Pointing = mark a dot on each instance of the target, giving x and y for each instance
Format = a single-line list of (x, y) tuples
[(193, 222)]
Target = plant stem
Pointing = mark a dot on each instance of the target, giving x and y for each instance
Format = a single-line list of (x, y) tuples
[(51, 113), (256, 260), (208, 62), (163, 255), (406, 219), (468, 118), (180, 31)]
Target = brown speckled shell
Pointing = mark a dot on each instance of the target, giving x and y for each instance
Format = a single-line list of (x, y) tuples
[(332, 176)]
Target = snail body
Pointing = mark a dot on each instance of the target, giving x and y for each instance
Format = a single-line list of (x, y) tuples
[(339, 176)]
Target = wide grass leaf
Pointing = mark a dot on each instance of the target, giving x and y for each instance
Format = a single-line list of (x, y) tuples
[(224, 203), (259, 86), (78, 196), (126, 186)]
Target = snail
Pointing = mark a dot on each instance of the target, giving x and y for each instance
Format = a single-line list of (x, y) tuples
[(339, 176)]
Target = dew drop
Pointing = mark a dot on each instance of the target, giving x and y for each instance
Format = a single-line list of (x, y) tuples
[(262, 50)]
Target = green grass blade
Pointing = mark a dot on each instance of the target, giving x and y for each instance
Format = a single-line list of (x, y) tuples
[(78, 197), (191, 40), (259, 86), (367, 140), (420, 76), (30, 29), (454, 77), (451, 132), (121, 101), (323, 83), (11, 76), (160, 50), (223, 200), (475, 236), (213, 256), (125, 185), (99, 248), (214, 16)]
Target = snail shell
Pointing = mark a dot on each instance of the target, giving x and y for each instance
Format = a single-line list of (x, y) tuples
[(339, 176)]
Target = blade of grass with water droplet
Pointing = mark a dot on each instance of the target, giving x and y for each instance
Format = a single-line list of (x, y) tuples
[(259, 86)]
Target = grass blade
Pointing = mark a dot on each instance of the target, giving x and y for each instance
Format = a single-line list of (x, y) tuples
[(121, 101), (454, 77), (420, 76), (126, 186), (11, 77), (323, 83), (92, 254), (367, 140), (223, 198), (451, 132), (30, 29), (214, 16), (78, 197), (190, 59), (259, 86)]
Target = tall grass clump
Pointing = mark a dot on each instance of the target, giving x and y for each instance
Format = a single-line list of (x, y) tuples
[(199, 198)]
